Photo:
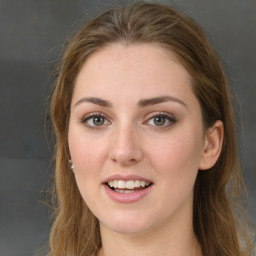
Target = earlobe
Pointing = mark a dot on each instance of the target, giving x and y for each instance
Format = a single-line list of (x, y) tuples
[(212, 146)]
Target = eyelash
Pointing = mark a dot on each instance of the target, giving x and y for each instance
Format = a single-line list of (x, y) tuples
[(91, 116), (170, 119)]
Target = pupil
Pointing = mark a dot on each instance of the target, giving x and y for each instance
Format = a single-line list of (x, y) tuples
[(159, 121), (98, 121)]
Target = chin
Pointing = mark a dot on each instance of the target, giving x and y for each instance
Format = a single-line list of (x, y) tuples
[(128, 229), (127, 225)]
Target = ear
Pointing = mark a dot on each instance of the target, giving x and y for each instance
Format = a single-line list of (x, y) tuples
[(212, 146)]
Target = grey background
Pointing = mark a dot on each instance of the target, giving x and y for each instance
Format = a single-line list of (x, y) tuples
[(31, 36)]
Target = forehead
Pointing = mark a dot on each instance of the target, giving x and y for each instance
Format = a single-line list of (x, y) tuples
[(119, 70), (134, 57)]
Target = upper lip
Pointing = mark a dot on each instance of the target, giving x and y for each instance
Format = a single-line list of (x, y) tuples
[(126, 178)]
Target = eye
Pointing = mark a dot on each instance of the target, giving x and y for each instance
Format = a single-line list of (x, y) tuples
[(161, 120), (95, 120)]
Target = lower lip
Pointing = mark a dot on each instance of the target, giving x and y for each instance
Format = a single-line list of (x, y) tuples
[(129, 197)]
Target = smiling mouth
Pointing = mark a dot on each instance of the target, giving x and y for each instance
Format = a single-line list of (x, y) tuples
[(129, 186)]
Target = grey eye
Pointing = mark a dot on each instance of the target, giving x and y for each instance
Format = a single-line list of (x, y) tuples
[(98, 120), (159, 120), (162, 120), (95, 120)]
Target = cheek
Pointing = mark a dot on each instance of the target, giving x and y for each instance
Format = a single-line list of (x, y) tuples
[(178, 155), (176, 163), (88, 152)]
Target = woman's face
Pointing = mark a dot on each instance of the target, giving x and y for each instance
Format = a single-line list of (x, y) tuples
[(135, 137)]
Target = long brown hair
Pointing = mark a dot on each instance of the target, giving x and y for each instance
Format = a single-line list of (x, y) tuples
[(217, 192)]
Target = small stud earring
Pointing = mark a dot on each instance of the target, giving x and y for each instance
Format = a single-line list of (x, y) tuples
[(72, 165)]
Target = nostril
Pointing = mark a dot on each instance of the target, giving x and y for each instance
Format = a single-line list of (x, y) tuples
[(125, 148), (125, 158)]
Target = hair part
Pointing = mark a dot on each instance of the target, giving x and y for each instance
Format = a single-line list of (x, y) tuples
[(215, 208)]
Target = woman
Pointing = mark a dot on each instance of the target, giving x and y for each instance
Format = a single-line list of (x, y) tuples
[(145, 141)]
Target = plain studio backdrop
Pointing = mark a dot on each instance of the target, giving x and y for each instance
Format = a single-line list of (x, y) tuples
[(31, 37)]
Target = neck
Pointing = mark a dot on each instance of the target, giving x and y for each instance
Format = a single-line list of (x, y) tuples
[(178, 239)]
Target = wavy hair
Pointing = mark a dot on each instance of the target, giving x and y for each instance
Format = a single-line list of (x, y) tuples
[(218, 216)]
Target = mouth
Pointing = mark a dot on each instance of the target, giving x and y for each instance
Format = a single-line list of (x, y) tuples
[(128, 186)]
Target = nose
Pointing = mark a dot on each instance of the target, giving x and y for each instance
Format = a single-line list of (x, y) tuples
[(126, 147)]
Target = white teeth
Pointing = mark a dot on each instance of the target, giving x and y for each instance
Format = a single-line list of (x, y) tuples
[(130, 184), (128, 191), (124, 191), (136, 183), (115, 183), (121, 184)]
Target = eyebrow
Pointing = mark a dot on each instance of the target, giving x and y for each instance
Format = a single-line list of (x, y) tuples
[(141, 103), (157, 100), (97, 101)]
